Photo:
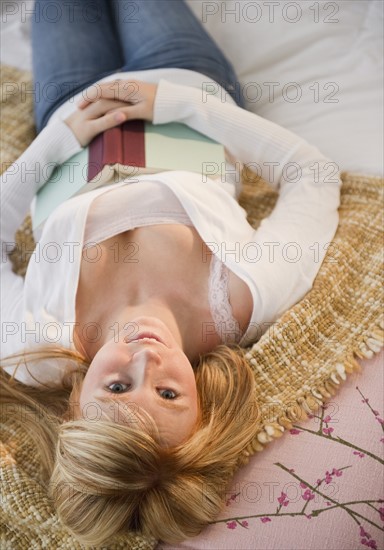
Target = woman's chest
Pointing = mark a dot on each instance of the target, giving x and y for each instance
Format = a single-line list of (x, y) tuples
[(159, 258)]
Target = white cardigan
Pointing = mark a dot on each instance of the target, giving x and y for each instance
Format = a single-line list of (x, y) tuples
[(279, 261)]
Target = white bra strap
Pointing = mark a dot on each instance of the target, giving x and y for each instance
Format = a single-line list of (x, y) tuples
[(226, 325)]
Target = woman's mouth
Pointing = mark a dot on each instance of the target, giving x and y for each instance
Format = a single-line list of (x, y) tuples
[(144, 337)]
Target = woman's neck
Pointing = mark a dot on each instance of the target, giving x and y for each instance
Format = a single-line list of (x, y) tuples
[(182, 319)]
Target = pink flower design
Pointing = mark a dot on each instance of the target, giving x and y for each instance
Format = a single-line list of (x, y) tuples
[(359, 454), (365, 400), (265, 519), (381, 420), (337, 473), (232, 497), (381, 512), (303, 485), (382, 439), (294, 431), (327, 431), (283, 499), (308, 495), (327, 419), (309, 516), (328, 477), (292, 470), (319, 482), (364, 533), (368, 541), (311, 416), (244, 523), (376, 413), (231, 525), (328, 504)]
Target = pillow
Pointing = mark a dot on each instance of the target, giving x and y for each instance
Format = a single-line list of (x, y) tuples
[(315, 68)]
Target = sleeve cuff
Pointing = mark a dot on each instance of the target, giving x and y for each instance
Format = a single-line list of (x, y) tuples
[(63, 143)]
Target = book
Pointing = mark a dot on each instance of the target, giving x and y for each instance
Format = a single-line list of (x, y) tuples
[(133, 148)]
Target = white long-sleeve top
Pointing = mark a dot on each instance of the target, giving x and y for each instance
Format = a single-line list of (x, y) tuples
[(279, 261)]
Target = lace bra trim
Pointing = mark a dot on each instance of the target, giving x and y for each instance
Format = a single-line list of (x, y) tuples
[(226, 326)]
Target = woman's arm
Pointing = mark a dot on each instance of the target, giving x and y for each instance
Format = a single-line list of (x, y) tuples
[(262, 145), (55, 144), (19, 183), (292, 242)]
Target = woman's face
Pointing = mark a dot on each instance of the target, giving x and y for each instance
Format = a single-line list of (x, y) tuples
[(143, 367)]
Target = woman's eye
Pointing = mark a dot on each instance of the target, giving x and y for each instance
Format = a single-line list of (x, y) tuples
[(117, 387), (166, 394)]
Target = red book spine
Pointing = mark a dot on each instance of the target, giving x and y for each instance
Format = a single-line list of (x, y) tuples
[(113, 146), (95, 156), (134, 143), (123, 144), (105, 148)]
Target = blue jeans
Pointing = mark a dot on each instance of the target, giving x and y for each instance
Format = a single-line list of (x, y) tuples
[(76, 43)]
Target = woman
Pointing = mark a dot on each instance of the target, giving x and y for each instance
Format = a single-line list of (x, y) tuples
[(135, 369)]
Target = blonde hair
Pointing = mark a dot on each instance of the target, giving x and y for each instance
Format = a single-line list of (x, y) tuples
[(106, 478)]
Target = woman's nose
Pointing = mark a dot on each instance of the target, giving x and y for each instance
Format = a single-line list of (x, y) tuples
[(142, 366), (146, 356)]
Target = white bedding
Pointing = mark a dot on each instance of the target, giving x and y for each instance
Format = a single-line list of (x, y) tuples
[(316, 68)]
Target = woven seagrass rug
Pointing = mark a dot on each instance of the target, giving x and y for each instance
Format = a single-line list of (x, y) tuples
[(298, 364)]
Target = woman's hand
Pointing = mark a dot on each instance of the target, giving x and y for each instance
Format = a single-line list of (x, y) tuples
[(109, 104), (100, 116)]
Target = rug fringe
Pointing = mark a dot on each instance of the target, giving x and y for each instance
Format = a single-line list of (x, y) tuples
[(371, 344)]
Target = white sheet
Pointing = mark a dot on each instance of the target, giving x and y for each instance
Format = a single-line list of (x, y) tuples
[(316, 68)]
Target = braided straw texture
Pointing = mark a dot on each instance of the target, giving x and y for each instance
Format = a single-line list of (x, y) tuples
[(298, 364)]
